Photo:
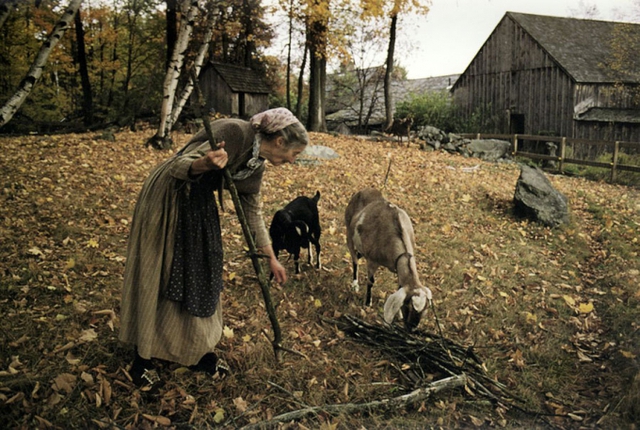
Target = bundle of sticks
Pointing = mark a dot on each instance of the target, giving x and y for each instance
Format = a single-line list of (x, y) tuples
[(423, 356)]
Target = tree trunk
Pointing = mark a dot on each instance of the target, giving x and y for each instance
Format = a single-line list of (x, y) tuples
[(87, 99), (248, 35), (388, 97), (161, 139), (301, 82), (317, 39), (289, 55), (34, 73), (172, 29), (197, 66)]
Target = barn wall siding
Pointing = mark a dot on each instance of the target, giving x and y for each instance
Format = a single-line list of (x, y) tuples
[(513, 75)]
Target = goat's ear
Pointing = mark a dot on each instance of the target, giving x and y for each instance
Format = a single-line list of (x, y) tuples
[(393, 305), (419, 301)]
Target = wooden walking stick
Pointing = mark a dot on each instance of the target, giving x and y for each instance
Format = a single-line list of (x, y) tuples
[(253, 251)]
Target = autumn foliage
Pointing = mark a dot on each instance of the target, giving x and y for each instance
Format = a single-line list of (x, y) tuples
[(552, 313)]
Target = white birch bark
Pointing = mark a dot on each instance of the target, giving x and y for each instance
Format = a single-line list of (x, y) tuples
[(175, 66), (197, 65), (35, 72)]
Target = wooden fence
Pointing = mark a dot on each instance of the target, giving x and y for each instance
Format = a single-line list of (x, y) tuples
[(561, 157)]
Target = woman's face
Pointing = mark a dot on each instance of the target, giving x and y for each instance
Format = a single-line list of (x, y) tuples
[(278, 153)]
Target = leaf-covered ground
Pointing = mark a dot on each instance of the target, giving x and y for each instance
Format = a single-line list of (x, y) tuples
[(553, 313)]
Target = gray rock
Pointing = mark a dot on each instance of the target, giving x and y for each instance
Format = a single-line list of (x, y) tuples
[(535, 198), (319, 151), (489, 149)]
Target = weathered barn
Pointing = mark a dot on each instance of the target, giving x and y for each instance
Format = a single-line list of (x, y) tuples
[(233, 90), (547, 75)]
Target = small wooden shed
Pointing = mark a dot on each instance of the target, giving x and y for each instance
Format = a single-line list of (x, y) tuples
[(547, 75), (234, 90)]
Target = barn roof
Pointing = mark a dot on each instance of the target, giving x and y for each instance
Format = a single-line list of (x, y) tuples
[(583, 47), (241, 79)]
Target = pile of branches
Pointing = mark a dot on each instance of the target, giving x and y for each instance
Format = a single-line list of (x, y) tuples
[(423, 357)]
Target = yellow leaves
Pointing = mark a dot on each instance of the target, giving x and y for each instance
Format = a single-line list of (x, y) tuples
[(569, 300), (35, 251), (628, 354), (582, 308), (227, 332), (219, 415), (585, 308), (92, 243)]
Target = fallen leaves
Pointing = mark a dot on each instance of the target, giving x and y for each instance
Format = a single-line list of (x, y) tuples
[(519, 291)]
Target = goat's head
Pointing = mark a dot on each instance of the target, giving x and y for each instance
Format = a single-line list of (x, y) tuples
[(408, 304), (282, 221)]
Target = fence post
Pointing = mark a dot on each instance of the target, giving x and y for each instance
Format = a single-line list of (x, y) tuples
[(614, 163), (563, 147), (515, 145)]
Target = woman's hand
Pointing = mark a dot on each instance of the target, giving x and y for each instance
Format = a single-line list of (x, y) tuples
[(279, 274), (212, 160)]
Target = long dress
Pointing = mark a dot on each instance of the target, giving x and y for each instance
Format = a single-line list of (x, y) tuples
[(157, 326)]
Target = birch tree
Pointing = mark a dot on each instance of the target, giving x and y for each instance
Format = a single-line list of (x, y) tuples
[(197, 66), (35, 71), (161, 139)]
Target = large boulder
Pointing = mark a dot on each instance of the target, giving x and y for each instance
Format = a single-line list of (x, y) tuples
[(537, 199), (489, 149)]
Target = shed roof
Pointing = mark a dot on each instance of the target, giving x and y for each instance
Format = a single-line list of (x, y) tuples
[(241, 79), (584, 48)]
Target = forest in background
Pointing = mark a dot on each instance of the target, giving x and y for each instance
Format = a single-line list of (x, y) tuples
[(110, 66)]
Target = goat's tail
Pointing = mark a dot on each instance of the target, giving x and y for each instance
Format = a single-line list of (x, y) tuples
[(317, 196)]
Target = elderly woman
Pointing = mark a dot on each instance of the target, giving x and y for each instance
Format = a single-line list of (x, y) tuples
[(173, 276)]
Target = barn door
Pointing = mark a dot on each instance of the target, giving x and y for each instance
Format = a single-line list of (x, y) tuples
[(516, 123), (242, 106)]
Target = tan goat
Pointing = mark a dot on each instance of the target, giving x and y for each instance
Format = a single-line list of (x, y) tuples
[(382, 233)]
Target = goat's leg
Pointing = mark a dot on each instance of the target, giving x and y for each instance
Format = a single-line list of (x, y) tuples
[(296, 260), (371, 270), (354, 265), (315, 243), (318, 265)]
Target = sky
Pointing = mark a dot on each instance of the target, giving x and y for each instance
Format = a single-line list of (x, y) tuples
[(453, 32)]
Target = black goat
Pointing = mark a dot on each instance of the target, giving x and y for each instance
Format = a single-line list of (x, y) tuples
[(296, 226), (401, 127)]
